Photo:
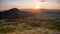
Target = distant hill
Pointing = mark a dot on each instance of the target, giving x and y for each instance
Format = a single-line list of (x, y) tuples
[(50, 11), (13, 13)]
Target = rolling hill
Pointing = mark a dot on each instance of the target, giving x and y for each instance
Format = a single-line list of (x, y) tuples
[(13, 13)]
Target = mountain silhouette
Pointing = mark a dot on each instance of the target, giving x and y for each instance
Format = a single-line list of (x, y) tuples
[(13, 13)]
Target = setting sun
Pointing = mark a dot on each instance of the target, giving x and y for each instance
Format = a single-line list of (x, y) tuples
[(37, 6)]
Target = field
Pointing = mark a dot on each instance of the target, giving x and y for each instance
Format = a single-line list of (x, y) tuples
[(43, 22)]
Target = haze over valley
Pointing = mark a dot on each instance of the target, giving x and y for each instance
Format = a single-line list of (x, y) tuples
[(29, 16)]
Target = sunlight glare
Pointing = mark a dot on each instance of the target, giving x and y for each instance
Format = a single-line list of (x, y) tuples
[(37, 6)]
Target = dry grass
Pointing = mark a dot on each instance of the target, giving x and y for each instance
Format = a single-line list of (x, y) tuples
[(42, 31)]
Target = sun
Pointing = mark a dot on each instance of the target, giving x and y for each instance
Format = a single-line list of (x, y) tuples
[(37, 6)]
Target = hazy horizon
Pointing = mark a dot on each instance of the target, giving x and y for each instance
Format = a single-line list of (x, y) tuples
[(29, 4), (29, 16)]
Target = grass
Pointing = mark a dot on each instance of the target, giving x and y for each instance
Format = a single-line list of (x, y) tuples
[(42, 31), (28, 25)]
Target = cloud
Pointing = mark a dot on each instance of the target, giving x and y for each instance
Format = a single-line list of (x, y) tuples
[(58, 1)]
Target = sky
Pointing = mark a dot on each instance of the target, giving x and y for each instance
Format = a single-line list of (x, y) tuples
[(28, 4)]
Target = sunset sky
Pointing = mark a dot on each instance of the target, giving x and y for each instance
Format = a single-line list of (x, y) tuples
[(28, 4)]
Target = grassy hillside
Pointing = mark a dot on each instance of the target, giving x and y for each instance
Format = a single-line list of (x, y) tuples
[(42, 23)]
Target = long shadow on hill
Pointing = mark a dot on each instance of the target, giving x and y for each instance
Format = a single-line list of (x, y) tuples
[(13, 13)]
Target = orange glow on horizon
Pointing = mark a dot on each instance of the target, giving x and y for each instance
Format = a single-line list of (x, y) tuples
[(37, 6)]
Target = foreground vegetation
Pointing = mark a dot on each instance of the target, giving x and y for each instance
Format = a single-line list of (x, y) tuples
[(28, 27), (36, 24)]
